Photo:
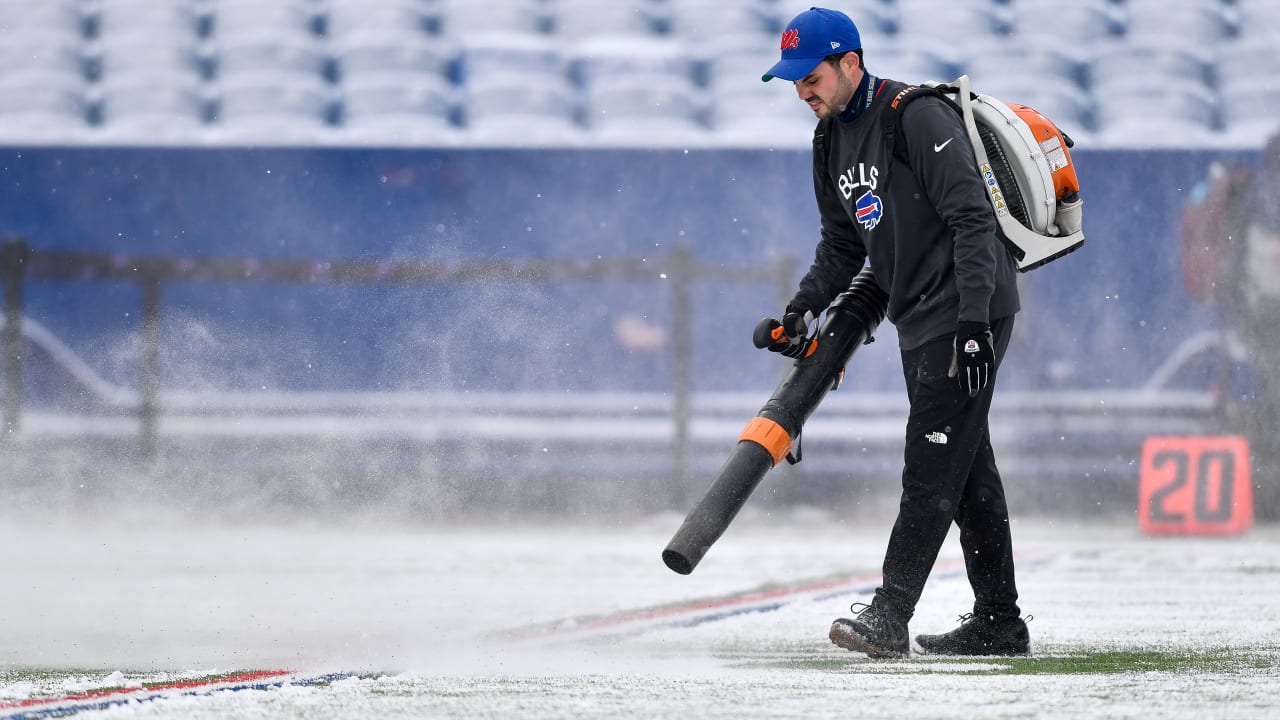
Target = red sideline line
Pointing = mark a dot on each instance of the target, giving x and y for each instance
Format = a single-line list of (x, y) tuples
[(715, 604), (175, 685), (712, 604), (559, 628)]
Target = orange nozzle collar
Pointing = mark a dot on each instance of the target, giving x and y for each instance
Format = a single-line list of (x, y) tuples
[(769, 435)]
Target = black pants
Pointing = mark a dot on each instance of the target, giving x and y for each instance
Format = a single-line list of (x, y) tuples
[(950, 476)]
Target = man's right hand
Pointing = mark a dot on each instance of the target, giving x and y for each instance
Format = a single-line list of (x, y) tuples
[(786, 336)]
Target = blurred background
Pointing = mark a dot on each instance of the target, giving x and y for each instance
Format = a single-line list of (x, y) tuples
[(441, 258)]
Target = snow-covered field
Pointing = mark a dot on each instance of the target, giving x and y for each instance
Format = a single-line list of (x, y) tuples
[(557, 619)]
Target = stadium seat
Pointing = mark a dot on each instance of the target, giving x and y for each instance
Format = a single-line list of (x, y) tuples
[(250, 54), (1252, 114), (874, 18), (1243, 62), (44, 107), (360, 55), (739, 73), (481, 57), (645, 110), (1123, 105), (703, 19), (21, 55), (780, 100), (144, 56), (345, 19), (740, 69), (111, 18), (145, 112), (755, 28), (609, 59), (1063, 102), (459, 19), (543, 110), (908, 63), (397, 93), (1121, 64), (277, 107), (583, 18), (763, 114), (1191, 22), (1064, 26), (1150, 115), (41, 49), (19, 18), (398, 107), (1044, 63), (1256, 18), (283, 18), (775, 132), (1083, 57), (934, 21)]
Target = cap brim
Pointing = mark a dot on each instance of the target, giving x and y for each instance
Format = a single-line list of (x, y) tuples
[(792, 69)]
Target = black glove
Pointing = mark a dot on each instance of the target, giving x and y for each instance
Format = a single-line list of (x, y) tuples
[(973, 358), (786, 336)]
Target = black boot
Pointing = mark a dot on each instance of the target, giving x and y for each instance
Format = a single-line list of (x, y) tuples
[(874, 630), (980, 634)]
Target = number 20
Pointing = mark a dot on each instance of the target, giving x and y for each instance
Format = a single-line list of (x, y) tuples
[(1220, 511)]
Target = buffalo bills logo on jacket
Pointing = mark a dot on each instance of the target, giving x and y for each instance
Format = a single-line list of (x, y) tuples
[(868, 209)]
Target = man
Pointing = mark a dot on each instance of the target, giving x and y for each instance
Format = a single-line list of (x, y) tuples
[(1254, 311), (926, 227), (1230, 240)]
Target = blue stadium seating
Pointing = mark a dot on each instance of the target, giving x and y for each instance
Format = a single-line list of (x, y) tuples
[(578, 19), (464, 18), (392, 20), (362, 54), (535, 111), (1063, 26), (163, 113), (400, 105), (43, 107), (160, 20), (282, 106), (1073, 59)]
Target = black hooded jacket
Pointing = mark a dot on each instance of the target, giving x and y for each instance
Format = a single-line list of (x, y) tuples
[(925, 225)]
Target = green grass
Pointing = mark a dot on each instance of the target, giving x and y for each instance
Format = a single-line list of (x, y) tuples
[(39, 675), (1057, 661), (1113, 662)]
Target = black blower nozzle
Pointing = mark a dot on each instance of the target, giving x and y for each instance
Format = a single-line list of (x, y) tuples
[(850, 323)]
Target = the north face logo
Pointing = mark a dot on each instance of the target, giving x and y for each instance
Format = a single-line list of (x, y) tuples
[(791, 39)]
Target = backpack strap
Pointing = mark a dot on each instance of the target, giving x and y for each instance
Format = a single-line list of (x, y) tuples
[(821, 150), (894, 109)]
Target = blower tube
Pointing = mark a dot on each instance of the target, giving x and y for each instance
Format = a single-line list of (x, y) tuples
[(850, 323)]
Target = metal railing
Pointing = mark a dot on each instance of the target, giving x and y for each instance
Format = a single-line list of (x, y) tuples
[(604, 447), (21, 263)]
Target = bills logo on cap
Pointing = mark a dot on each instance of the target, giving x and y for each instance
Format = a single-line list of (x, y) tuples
[(808, 38), (868, 210)]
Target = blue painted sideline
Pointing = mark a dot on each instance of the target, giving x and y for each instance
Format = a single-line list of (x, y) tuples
[(73, 708)]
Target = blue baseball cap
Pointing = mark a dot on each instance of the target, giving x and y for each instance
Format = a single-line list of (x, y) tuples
[(811, 36)]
